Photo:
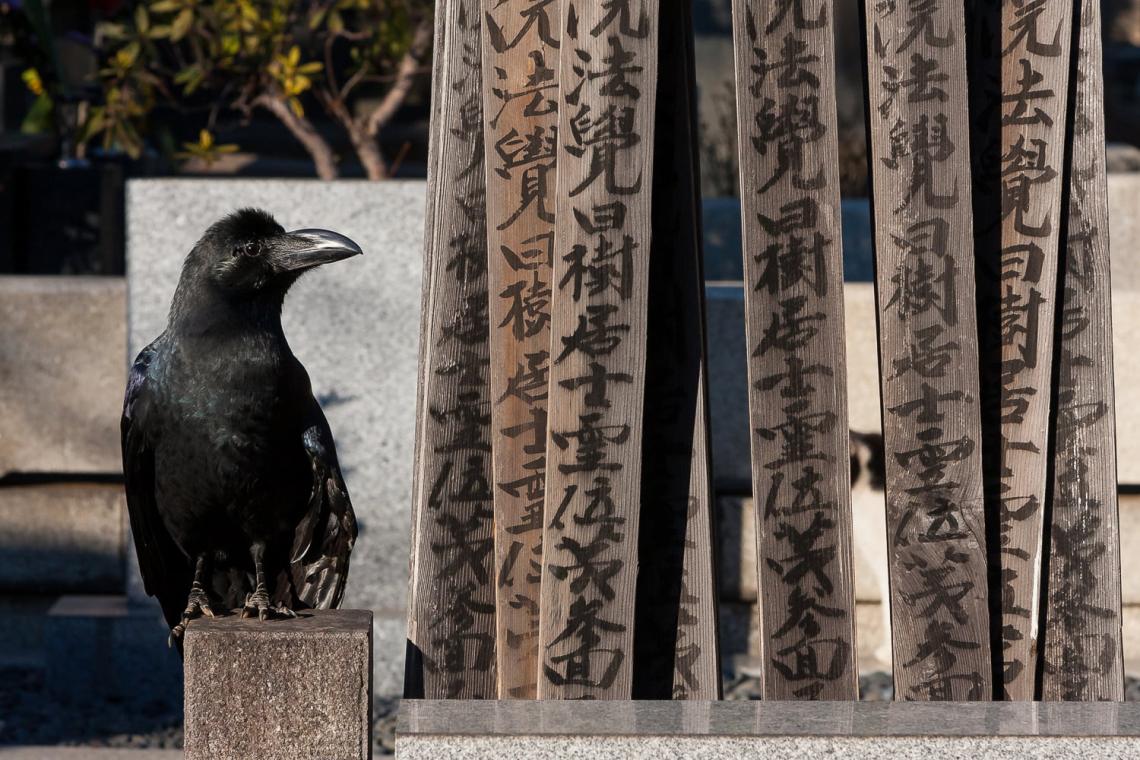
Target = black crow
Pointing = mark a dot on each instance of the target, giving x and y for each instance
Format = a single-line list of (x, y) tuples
[(233, 487)]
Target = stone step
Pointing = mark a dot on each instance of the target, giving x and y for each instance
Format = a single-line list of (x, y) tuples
[(62, 538)]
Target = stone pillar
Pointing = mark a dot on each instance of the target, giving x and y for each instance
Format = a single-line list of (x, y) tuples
[(280, 689)]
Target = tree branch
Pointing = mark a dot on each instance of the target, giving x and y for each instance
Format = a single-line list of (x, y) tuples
[(304, 131), (405, 77)]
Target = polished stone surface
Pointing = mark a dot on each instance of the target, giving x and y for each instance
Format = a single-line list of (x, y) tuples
[(768, 719)]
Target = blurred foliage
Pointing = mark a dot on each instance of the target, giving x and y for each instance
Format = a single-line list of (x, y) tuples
[(206, 57)]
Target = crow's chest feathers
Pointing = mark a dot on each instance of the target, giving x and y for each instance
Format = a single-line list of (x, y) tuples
[(234, 398)]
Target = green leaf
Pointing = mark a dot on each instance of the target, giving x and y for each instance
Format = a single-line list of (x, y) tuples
[(181, 24), (142, 20), (40, 118), (165, 6)]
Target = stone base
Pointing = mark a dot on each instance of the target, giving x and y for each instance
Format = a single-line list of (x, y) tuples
[(280, 689), (441, 730)]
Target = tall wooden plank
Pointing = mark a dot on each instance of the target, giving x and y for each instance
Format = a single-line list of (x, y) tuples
[(920, 172), (793, 262), (1083, 655), (520, 56), (607, 74), (1035, 73), (676, 653), (451, 622)]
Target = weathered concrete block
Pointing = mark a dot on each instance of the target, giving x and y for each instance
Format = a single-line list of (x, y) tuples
[(61, 538), (355, 326), (439, 730), (280, 689), (61, 373)]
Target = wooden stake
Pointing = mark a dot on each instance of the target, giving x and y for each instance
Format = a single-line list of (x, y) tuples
[(1084, 660), (920, 171), (1035, 74), (608, 75), (793, 259), (451, 618), (520, 56)]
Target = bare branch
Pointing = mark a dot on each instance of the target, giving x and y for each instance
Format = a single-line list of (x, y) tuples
[(405, 77), (304, 131)]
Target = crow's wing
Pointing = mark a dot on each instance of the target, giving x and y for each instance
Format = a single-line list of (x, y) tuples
[(166, 572), (326, 534)]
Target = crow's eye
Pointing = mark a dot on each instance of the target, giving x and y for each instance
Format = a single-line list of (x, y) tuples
[(246, 249)]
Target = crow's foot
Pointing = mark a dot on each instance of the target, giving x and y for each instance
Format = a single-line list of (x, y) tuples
[(257, 604), (197, 605)]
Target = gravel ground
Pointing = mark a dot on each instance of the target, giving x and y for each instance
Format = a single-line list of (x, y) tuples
[(28, 716)]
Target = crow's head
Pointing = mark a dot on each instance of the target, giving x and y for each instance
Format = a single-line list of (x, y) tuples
[(248, 252)]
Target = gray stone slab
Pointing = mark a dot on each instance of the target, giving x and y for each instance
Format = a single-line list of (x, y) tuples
[(354, 325), (1124, 230), (280, 689), (61, 538), (61, 374), (446, 729)]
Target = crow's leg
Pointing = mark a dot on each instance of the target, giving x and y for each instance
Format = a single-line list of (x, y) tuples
[(198, 603), (258, 602)]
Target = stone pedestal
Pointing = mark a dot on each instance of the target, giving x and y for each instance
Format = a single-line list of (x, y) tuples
[(280, 689), (536, 730)]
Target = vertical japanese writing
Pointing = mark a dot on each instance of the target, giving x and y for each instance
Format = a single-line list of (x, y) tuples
[(793, 259), (925, 272), (675, 643), (520, 55), (1035, 38), (607, 75), (451, 630), (1083, 657)]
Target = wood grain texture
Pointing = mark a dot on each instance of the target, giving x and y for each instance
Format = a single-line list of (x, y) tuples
[(1035, 72), (607, 73), (451, 623), (920, 172), (1083, 655), (675, 639), (793, 264), (520, 58)]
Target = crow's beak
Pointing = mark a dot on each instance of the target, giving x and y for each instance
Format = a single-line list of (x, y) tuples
[(304, 249)]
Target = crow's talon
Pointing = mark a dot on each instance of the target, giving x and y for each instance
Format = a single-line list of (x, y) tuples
[(284, 611), (257, 604), (197, 604)]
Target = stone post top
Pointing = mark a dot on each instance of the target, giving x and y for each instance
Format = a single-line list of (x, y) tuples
[(770, 719), (307, 624)]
